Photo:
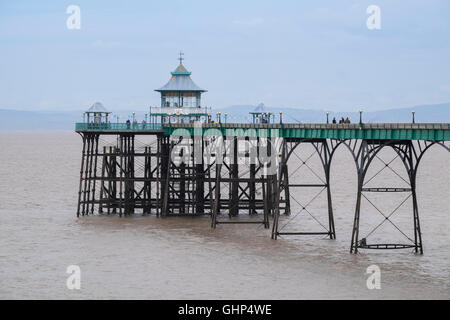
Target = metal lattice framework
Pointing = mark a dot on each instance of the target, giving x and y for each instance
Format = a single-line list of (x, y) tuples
[(126, 175), (244, 181), (364, 153), (325, 150)]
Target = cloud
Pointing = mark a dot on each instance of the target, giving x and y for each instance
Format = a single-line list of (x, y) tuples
[(249, 22)]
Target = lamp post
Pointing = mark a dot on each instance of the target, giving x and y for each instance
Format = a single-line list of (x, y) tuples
[(150, 114), (134, 114), (327, 117), (225, 114), (218, 117), (84, 116), (413, 118), (360, 116), (281, 117)]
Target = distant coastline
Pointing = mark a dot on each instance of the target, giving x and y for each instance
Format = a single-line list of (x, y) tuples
[(65, 120)]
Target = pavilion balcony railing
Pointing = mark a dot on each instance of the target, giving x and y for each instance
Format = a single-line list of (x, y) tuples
[(180, 111), (82, 126)]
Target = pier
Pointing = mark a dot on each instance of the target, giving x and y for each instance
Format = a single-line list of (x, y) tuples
[(191, 165)]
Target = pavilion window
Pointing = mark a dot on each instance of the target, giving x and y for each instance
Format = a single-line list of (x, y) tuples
[(189, 100)]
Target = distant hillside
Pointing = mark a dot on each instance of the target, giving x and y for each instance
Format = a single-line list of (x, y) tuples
[(425, 113), (35, 120)]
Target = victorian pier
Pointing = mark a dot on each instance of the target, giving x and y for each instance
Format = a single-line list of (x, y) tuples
[(195, 164)]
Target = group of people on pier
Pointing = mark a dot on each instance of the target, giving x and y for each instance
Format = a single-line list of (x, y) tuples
[(135, 124), (342, 120)]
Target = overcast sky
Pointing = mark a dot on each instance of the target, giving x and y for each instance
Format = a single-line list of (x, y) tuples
[(319, 55)]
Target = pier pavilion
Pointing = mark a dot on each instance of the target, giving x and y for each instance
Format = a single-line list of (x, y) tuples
[(195, 167), (180, 99)]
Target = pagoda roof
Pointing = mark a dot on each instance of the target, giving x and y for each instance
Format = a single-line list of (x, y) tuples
[(180, 81), (181, 71), (97, 108)]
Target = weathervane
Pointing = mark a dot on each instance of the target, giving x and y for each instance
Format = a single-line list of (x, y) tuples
[(181, 57)]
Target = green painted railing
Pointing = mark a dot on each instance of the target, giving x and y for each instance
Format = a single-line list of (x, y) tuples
[(118, 127), (381, 131)]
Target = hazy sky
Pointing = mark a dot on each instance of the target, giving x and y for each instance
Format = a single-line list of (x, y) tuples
[(317, 55)]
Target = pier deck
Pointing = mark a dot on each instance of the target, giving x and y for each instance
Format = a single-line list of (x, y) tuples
[(381, 131)]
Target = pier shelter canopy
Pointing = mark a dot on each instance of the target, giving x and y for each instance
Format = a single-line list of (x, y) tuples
[(261, 115), (97, 113)]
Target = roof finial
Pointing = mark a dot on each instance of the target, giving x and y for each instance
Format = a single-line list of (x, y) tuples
[(181, 57)]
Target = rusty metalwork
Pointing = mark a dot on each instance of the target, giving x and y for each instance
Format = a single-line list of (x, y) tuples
[(126, 176)]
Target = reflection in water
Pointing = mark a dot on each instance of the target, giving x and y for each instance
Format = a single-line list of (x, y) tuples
[(148, 257)]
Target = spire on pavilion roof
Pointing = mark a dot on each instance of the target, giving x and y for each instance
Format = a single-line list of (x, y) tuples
[(180, 80)]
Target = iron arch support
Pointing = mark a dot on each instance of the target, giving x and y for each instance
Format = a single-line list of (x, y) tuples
[(325, 152), (364, 156)]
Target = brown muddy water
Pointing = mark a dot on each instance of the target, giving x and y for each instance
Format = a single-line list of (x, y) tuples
[(183, 258)]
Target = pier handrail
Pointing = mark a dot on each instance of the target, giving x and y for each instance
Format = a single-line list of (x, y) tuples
[(376, 131), (383, 131), (84, 126), (426, 126)]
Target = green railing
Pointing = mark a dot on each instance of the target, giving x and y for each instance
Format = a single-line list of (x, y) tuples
[(118, 127), (376, 131)]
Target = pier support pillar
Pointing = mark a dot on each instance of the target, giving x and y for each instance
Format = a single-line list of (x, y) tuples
[(325, 150), (364, 155), (88, 174)]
